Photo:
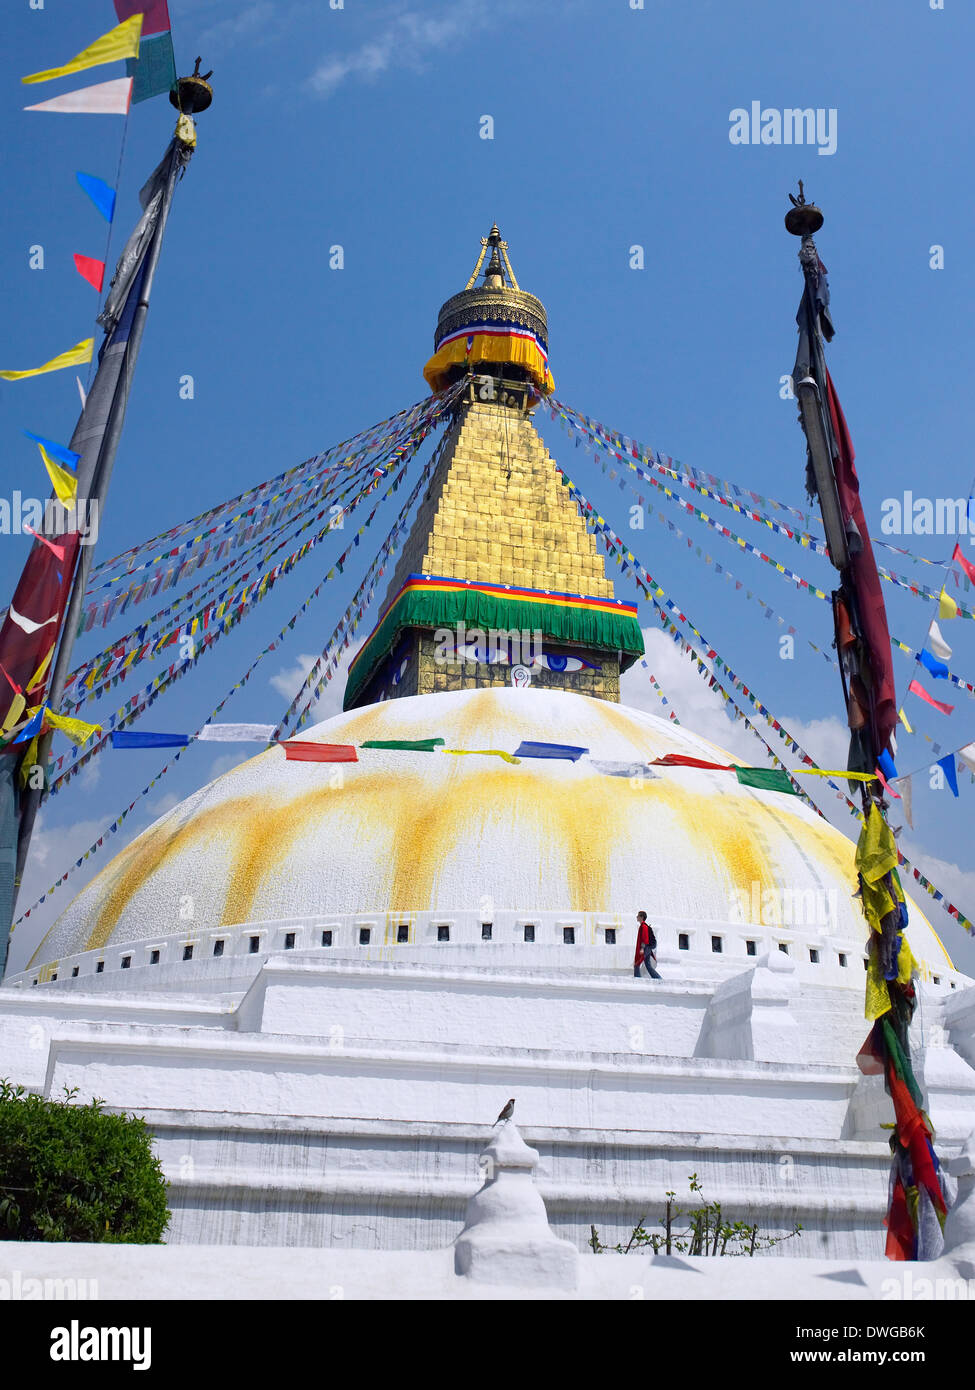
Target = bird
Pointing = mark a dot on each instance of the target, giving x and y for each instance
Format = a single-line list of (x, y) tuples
[(507, 1112)]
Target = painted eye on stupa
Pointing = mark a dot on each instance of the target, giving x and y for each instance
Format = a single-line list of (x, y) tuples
[(564, 663)]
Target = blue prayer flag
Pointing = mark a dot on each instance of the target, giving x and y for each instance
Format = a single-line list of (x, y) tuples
[(937, 668), (947, 764), (64, 455), (886, 764), (100, 193), (528, 749), (125, 738)]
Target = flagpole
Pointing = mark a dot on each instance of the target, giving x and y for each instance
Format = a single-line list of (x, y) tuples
[(99, 428)]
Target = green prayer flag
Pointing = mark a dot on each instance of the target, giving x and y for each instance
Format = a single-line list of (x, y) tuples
[(411, 745), (769, 779)]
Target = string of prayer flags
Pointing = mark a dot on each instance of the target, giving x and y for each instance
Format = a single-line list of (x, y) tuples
[(81, 352), (303, 751), (120, 42), (528, 748), (134, 738), (236, 733), (91, 270), (409, 745), (916, 688), (154, 70), (63, 480), (947, 765), (102, 194), (102, 99)]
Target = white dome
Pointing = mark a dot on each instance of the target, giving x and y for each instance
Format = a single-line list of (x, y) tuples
[(412, 832)]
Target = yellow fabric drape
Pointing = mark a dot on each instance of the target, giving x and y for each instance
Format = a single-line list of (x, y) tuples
[(483, 752), (489, 347)]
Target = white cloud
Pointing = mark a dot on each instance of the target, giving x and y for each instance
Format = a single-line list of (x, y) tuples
[(289, 679), (406, 39)]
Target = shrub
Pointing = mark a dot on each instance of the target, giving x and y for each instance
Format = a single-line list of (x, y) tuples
[(73, 1172)]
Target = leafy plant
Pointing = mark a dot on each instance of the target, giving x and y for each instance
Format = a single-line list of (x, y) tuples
[(72, 1172), (709, 1231)]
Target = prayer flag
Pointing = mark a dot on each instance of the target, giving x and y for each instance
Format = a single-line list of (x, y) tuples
[(101, 194), (79, 731), (529, 749), (885, 764), (947, 764), (768, 779), (907, 800), (125, 738), (947, 607), (300, 751), (937, 643), (682, 760), (103, 99), (937, 668), (418, 745), (58, 550), (155, 14), (916, 688), (965, 563), (619, 769), (967, 755), (120, 42), (91, 270), (482, 752), (64, 482), (81, 352), (236, 733), (58, 451), (904, 720)]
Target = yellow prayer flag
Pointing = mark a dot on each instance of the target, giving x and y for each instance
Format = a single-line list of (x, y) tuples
[(834, 772), (28, 761), (483, 752), (63, 481), (947, 607), (81, 352), (120, 42), (77, 730), (903, 718)]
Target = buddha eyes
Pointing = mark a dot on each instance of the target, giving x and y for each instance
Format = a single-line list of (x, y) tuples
[(480, 651)]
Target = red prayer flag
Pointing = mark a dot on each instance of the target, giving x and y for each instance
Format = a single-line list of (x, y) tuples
[(155, 14), (965, 563), (916, 688), (873, 614), (91, 270), (680, 760), (303, 751)]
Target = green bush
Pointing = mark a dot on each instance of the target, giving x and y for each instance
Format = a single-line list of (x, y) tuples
[(72, 1172)]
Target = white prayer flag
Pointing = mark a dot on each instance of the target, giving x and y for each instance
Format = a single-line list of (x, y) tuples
[(967, 755), (103, 99), (236, 733), (937, 643)]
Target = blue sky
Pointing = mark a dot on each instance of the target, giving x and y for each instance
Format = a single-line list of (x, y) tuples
[(360, 127)]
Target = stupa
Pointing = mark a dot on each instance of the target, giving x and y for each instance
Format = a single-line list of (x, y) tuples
[(319, 984)]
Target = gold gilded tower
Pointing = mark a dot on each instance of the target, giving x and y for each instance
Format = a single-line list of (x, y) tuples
[(499, 581)]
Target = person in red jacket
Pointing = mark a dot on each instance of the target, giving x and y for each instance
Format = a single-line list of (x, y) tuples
[(646, 947)]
